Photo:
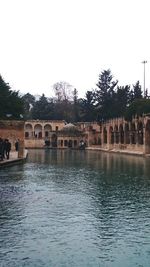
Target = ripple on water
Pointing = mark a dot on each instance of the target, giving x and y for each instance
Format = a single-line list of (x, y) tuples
[(66, 208)]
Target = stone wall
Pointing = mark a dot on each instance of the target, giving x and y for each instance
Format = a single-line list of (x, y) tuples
[(13, 130), (113, 135), (34, 143)]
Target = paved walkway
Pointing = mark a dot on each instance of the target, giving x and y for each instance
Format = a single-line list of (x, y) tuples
[(123, 151), (13, 158)]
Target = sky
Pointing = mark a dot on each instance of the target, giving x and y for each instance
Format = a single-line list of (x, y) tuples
[(47, 41)]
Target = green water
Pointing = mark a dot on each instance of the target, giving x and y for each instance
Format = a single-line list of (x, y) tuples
[(75, 208)]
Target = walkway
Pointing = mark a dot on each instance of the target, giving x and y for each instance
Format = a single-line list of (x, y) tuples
[(13, 159), (115, 150)]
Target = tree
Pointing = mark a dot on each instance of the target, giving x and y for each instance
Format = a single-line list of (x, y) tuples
[(29, 101), (75, 106), (11, 104), (136, 92), (42, 109), (104, 95), (88, 107), (63, 91), (138, 107), (121, 101)]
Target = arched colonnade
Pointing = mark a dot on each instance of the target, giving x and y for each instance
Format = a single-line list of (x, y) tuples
[(38, 133), (38, 130), (122, 134)]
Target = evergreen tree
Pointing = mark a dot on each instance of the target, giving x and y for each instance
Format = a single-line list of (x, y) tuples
[(88, 112), (122, 100), (42, 109), (29, 101), (138, 107), (136, 92), (104, 95), (11, 105)]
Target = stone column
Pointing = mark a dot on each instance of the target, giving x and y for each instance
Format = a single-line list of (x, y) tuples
[(114, 137), (21, 149), (102, 137), (43, 133)]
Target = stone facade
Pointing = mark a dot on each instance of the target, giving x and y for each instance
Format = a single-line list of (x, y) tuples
[(39, 131), (71, 136), (113, 135), (13, 130)]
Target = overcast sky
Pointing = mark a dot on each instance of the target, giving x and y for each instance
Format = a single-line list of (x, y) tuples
[(46, 41)]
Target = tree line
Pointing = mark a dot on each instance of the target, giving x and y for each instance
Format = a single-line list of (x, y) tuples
[(108, 100)]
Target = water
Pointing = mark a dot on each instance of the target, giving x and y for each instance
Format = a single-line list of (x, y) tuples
[(75, 208)]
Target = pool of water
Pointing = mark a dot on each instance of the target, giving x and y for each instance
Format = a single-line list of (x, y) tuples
[(75, 208)]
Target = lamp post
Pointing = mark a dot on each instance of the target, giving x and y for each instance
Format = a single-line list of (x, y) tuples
[(144, 62)]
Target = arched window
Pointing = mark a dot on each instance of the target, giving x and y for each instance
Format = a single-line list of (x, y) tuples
[(140, 132), (75, 143), (26, 134), (54, 140), (133, 133), (147, 136), (66, 143), (111, 132), (121, 132), (47, 130), (38, 131), (127, 133), (28, 130), (116, 133), (105, 135)]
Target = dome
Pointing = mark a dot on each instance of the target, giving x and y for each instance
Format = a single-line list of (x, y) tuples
[(70, 128)]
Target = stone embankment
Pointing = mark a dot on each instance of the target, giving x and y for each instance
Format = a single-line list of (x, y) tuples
[(123, 151), (13, 159)]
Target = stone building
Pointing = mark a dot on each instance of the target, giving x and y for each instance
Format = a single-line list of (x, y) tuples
[(52, 134), (13, 130), (118, 134), (115, 135), (37, 132), (70, 136)]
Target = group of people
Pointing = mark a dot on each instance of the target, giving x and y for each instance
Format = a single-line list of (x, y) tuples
[(5, 148)]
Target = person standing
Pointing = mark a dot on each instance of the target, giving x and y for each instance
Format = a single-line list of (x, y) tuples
[(4, 148), (8, 148), (17, 145), (1, 149)]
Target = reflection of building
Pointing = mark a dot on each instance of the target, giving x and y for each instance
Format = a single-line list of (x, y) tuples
[(113, 135)]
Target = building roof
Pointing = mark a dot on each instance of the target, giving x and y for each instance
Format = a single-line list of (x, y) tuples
[(70, 129)]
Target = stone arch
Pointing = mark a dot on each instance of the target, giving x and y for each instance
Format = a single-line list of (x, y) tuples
[(116, 133), (133, 133), (38, 130), (127, 133), (28, 130), (140, 133), (47, 129), (147, 125), (147, 137), (70, 143), (111, 133), (121, 134), (105, 135)]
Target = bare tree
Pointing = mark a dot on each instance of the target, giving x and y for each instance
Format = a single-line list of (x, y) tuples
[(63, 91)]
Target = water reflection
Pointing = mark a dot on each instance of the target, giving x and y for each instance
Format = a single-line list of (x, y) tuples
[(108, 162), (75, 208)]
